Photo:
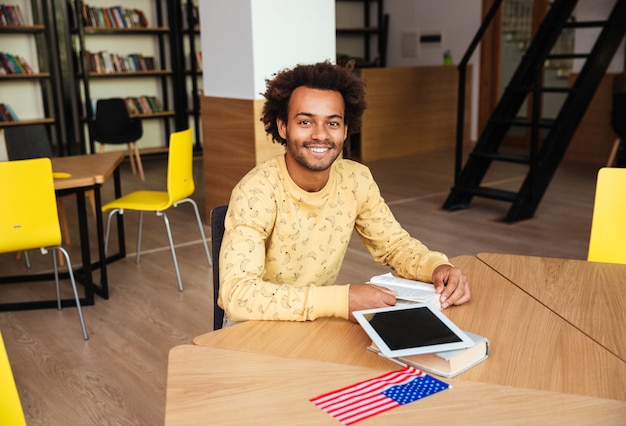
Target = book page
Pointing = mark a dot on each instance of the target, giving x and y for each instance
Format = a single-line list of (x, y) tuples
[(408, 290)]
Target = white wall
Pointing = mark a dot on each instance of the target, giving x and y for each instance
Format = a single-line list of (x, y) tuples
[(245, 41), (455, 20), (591, 10)]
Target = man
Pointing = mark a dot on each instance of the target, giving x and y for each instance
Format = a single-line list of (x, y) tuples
[(290, 219)]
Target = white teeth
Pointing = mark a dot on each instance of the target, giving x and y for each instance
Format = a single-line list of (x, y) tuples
[(318, 150)]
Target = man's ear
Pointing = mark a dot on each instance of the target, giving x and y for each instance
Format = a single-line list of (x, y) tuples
[(282, 128)]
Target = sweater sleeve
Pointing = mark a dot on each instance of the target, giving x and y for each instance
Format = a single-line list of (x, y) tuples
[(245, 293), (390, 244)]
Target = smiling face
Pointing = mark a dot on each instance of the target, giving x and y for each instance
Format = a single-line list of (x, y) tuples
[(315, 132)]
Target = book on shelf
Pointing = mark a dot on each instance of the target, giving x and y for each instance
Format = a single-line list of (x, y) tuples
[(11, 15), (14, 64), (113, 17), (409, 291), (446, 363), (7, 113)]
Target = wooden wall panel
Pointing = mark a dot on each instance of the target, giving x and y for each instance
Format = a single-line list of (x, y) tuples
[(234, 141), (228, 146), (410, 110)]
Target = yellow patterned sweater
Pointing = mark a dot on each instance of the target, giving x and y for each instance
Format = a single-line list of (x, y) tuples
[(283, 247)]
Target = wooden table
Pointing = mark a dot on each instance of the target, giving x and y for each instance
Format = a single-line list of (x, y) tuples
[(531, 346), (207, 385), (589, 295), (88, 172)]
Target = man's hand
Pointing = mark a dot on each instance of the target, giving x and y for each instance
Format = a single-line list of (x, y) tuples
[(369, 296), (452, 284)]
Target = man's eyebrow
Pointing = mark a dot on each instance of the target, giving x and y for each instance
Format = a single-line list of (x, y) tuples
[(310, 114)]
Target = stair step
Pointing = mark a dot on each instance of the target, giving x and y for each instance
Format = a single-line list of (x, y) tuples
[(526, 89), (545, 123), (585, 24), (497, 156), (492, 193), (568, 56)]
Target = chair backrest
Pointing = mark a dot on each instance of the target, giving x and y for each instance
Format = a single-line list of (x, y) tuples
[(180, 182), (607, 242), (11, 412), (218, 214), (113, 123), (28, 218), (26, 142)]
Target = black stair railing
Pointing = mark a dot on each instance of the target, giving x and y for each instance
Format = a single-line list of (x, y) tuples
[(549, 138), (462, 67)]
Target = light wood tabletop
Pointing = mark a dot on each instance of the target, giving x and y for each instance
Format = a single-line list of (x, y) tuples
[(589, 295), (531, 346), (220, 386), (85, 170)]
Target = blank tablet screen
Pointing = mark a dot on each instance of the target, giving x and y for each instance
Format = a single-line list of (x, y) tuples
[(411, 328)]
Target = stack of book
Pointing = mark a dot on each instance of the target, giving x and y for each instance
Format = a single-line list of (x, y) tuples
[(14, 64), (11, 15), (7, 113), (113, 17), (105, 62), (143, 105), (444, 363)]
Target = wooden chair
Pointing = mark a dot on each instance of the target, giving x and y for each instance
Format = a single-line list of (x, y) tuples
[(114, 125), (607, 241), (29, 218), (180, 186), (218, 214)]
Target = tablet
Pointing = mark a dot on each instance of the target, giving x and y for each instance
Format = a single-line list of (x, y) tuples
[(404, 330)]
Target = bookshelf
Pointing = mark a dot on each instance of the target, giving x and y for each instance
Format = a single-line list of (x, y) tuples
[(124, 51), (193, 63), (30, 91), (361, 27)]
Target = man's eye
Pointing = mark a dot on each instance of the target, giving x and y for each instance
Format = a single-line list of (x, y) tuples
[(305, 122), (333, 124)]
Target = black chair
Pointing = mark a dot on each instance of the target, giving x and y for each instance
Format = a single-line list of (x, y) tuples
[(218, 214), (114, 125)]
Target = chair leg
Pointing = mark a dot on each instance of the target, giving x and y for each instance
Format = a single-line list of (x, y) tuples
[(92, 201), (18, 257), (139, 230), (613, 154), (171, 240), (131, 158), (65, 228), (106, 234), (138, 161), (197, 212), (71, 273)]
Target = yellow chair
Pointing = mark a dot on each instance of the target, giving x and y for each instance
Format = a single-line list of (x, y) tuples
[(29, 218), (607, 242), (11, 413), (180, 186)]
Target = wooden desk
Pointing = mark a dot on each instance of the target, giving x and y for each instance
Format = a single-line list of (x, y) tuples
[(220, 386), (589, 295), (88, 172), (531, 346)]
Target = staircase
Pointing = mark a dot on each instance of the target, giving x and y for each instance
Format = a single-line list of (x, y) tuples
[(549, 138)]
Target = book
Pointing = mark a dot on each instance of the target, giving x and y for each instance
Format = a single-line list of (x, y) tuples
[(446, 363), (409, 291)]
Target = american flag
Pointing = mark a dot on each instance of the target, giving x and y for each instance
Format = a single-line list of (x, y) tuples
[(370, 397)]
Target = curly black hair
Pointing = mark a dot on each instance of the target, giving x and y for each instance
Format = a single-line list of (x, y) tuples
[(323, 76)]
